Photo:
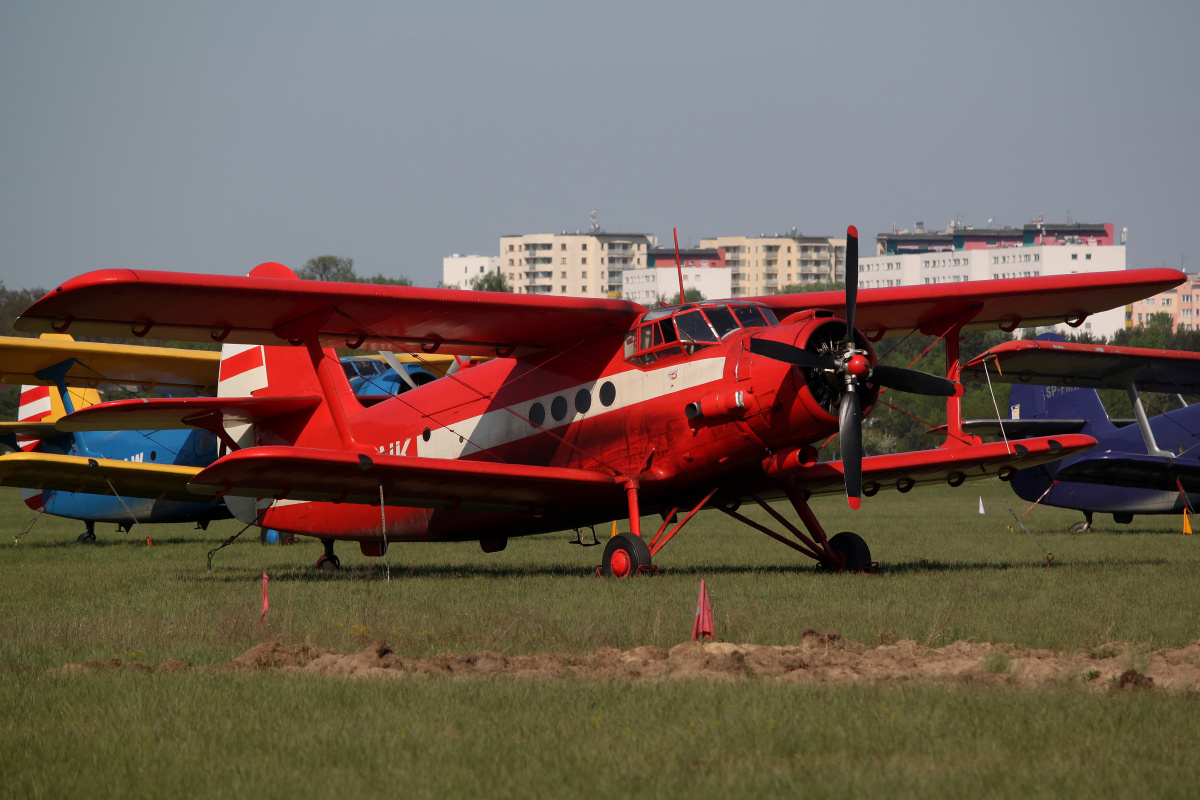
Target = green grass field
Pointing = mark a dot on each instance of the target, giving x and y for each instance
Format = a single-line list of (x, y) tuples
[(948, 574)]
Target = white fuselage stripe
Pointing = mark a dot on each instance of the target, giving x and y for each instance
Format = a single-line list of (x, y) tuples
[(458, 438)]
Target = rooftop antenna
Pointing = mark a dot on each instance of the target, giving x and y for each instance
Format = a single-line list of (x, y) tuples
[(595, 228), (678, 264)]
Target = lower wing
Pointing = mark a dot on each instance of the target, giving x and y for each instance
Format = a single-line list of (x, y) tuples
[(298, 473), (952, 465), (98, 476)]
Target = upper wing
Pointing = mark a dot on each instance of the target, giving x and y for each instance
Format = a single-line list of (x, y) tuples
[(948, 464), (98, 476), (1013, 302), (266, 310), (185, 412), (1091, 366), (298, 473), (150, 368)]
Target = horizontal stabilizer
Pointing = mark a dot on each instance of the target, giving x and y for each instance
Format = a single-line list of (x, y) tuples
[(136, 367), (31, 430), (98, 476), (1090, 366), (1134, 470), (184, 412), (298, 473), (945, 465)]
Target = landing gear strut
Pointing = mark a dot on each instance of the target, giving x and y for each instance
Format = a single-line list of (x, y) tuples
[(328, 562), (88, 536)]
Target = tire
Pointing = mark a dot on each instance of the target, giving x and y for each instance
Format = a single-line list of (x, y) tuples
[(329, 563), (86, 538), (852, 546), (623, 554)]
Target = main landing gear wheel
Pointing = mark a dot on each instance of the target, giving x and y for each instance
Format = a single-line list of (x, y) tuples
[(855, 550), (328, 562), (87, 537), (1080, 527), (623, 555)]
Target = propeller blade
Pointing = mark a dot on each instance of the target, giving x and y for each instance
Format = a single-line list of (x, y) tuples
[(850, 437), (790, 354), (851, 279), (913, 381)]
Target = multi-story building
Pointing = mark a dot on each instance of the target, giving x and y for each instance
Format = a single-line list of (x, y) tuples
[(581, 264), (766, 264), (1182, 304), (703, 269), (962, 253), (458, 271)]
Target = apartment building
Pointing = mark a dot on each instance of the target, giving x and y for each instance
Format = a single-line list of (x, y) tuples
[(1182, 304), (458, 271), (703, 269), (766, 264), (581, 264), (964, 253)]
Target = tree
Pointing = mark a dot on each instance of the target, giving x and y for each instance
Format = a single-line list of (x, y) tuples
[(383, 280), (819, 286), (690, 296), (489, 282), (328, 268)]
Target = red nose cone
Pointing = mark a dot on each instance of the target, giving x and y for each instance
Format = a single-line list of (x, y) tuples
[(858, 366)]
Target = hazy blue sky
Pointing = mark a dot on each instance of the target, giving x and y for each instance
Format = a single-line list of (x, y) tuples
[(213, 136)]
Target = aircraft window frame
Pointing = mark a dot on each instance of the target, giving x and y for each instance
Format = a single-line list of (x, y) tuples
[(718, 324), (748, 309), (608, 394), (691, 339), (559, 408), (537, 415)]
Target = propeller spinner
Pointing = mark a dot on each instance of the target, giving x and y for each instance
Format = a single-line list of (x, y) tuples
[(854, 369)]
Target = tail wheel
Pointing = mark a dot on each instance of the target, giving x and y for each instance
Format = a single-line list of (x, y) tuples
[(853, 548), (328, 563), (624, 555)]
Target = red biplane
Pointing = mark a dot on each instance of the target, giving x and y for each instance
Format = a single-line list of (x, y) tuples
[(594, 410)]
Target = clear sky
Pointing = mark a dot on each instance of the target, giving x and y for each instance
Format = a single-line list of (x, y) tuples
[(209, 137)]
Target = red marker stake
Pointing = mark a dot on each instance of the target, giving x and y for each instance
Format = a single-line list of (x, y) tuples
[(702, 626), (263, 619)]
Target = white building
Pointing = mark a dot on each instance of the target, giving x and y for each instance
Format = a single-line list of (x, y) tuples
[(969, 254), (457, 271), (647, 285)]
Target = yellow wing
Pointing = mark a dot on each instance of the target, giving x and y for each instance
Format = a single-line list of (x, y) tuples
[(166, 369), (43, 471)]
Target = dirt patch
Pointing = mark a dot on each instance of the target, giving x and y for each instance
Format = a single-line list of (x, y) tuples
[(819, 658)]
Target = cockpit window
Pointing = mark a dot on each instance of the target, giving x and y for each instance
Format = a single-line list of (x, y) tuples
[(674, 330), (750, 316), (693, 327), (722, 319)]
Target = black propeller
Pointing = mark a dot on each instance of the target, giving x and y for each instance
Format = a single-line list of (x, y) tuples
[(790, 354), (912, 381), (855, 371)]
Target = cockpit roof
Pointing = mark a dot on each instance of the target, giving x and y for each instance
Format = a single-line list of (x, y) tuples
[(670, 311)]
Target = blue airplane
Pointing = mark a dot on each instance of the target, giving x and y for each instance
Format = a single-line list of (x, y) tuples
[(1145, 465), (148, 454)]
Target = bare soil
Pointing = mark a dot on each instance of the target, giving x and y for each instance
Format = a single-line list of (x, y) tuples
[(820, 658)]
